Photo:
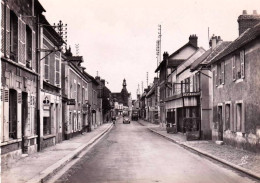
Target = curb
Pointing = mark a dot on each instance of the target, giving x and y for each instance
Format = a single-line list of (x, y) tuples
[(236, 167), (53, 169)]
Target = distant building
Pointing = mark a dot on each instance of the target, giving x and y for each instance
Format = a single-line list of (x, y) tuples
[(122, 99)]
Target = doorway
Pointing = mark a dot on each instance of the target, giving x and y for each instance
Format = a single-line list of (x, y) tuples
[(24, 119)]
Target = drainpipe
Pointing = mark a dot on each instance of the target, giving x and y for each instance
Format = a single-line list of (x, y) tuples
[(4, 28), (38, 84)]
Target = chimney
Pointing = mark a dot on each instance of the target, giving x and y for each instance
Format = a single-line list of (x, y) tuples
[(97, 78), (214, 40), (165, 55), (102, 81), (138, 96), (155, 80), (246, 21), (193, 39)]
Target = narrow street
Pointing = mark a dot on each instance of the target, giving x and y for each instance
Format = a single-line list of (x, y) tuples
[(131, 153)]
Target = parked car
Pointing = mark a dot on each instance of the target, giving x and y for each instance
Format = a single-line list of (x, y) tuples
[(126, 119)]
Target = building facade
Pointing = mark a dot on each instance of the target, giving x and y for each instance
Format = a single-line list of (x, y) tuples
[(19, 76), (50, 85), (236, 87)]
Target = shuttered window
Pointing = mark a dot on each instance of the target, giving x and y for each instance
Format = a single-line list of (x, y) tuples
[(222, 72), (46, 66), (57, 70), (28, 47), (12, 36)]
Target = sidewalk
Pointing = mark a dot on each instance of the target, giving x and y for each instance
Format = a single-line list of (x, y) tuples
[(39, 166), (245, 161)]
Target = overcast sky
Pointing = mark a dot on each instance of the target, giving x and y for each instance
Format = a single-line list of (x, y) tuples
[(117, 38)]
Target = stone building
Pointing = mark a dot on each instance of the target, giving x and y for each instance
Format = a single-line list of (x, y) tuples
[(50, 85), (236, 87), (151, 97), (166, 66), (19, 76), (77, 113)]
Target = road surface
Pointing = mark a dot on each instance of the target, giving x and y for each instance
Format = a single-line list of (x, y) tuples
[(131, 153)]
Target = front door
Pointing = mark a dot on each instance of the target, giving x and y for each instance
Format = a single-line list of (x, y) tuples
[(220, 123), (24, 119)]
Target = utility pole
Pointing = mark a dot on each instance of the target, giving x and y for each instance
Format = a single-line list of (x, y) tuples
[(147, 78), (61, 29), (77, 49)]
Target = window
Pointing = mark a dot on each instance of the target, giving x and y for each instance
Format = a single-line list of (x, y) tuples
[(238, 65), (28, 47), (57, 70), (240, 117), (83, 94), (46, 126), (78, 93), (13, 36), (227, 116), (187, 85), (86, 95), (220, 73)]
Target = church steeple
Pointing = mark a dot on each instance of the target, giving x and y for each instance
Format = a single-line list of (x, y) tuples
[(124, 83)]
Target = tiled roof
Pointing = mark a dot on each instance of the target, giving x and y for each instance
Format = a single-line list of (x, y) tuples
[(248, 36), (209, 55), (175, 62), (200, 59)]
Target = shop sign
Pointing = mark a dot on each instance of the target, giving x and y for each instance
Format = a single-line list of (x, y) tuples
[(190, 94)]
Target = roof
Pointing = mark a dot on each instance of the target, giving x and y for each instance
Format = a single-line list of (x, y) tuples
[(200, 59), (151, 91), (209, 54), (176, 62), (51, 30), (75, 58), (246, 37)]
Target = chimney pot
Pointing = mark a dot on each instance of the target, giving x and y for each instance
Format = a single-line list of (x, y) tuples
[(254, 12), (244, 12)]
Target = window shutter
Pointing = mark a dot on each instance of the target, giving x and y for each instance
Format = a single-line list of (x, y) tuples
[(2, 28), (223, 72), (234, 68), (243, 129), (231, 117), (6, 115), (19, 114), (33, 51), (224, 117), (8, 41), (242, 61), (21, 41), (235, 117), (46, 66)]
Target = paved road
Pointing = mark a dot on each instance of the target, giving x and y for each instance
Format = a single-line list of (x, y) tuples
[(131, 153)]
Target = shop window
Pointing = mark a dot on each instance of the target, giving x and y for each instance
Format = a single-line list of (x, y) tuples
[(13, 36), (46, 126), (12, 114), (28, 47)]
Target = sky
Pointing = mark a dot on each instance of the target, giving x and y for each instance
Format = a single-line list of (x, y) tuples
[(117, 38)]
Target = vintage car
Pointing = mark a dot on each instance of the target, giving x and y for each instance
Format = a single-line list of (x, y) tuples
[(126, 119)]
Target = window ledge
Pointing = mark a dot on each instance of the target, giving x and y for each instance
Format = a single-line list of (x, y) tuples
[(31, 137), (10, 142), (48, 136), (239, 80)]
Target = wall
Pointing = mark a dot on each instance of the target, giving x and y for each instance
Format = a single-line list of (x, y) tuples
[(245, 90)]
